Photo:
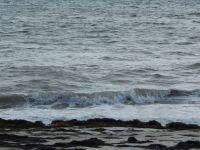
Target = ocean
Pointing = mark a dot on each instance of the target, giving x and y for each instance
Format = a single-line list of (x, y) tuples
[(82, 59)]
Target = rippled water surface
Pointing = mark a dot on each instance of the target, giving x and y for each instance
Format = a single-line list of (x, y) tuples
[(90, 46)]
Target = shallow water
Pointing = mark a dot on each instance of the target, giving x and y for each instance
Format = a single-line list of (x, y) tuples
[(64, 49)]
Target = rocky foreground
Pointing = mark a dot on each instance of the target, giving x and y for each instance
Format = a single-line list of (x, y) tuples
[(98, 134)]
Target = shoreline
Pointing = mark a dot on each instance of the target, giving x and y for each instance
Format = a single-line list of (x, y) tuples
[(98, 134), (96, 122)]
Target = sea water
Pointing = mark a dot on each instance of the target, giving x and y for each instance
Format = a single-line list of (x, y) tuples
[(122, 59)]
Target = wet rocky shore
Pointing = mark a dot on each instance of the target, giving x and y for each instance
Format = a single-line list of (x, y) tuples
[(98, 134)]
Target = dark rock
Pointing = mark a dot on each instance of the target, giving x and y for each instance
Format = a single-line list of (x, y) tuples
[(157, 147), (7, 144), (57, 137), (25, 146), (46, 148), (76, 149), (186, 145), (38, 147), (139, 124), (132, 140), (20, 139), (60, 145), (180, 146), (20, 124), (181, 126), (60, 123), (123, 145), (106, 122), (89, 123), (93, 142), (154, 124), (154, 147)]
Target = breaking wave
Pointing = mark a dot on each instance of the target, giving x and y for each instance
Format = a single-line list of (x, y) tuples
[(80, 100)]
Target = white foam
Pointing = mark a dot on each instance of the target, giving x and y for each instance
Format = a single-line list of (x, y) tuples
[(188, 113)]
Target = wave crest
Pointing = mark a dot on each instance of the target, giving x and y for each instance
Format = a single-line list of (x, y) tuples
[(132, 97)]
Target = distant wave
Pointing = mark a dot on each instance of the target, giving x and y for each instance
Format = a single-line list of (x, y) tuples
[(12, 101), (76, 100), (194, 66)]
